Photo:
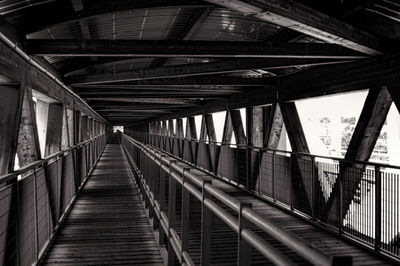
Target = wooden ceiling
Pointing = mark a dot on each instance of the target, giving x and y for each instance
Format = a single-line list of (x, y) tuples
[(136, 61)]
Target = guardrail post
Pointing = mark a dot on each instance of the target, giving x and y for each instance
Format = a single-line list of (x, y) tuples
[(185, 214), (162, 200), (171, 213), (35, 211), (273, 176), (205, 227), (244, 249), (341, 212), (314, 177), (291, 180), (378, 207)]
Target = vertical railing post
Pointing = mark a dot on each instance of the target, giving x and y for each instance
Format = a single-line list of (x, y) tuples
[(62, 181), (244, 249), (340, 205), (17, 223), (36, 236), (162, 200), (314, 176), (248, 167), (185, 214), (273, 175), (205, 227), (378, 207), (171, 213), (293, 156)]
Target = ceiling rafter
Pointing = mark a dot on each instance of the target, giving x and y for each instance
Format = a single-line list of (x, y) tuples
[(219, 67), (187, 49)]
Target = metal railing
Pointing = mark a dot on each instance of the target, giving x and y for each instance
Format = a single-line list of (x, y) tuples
[(153, 167), (35, 198), (358, 200)]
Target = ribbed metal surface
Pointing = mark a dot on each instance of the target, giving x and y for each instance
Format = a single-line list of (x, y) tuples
[(227, 25), (118, 66), (9, 6)]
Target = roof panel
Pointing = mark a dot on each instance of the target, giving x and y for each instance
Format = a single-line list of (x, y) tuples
[(224, 24)]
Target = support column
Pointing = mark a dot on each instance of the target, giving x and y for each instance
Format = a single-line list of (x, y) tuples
[(257, 127)]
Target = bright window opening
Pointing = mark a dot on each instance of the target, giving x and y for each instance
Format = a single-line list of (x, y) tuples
[(329, 122), (116, 128)]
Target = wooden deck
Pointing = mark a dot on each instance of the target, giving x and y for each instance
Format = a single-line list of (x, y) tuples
[(107, 225)]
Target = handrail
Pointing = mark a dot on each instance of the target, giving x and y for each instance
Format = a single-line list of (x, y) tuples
[(244, 146), (291, 241), (14, 174)]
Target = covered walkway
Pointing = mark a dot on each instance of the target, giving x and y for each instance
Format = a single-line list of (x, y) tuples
[(107, 225)]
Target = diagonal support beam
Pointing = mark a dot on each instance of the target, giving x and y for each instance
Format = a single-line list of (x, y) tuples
[(238, 128), (362, 143), (301, 180)]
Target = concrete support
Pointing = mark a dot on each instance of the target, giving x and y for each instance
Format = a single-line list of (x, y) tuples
[(28, 144), (257, 126), (70, 124), (65, 142)]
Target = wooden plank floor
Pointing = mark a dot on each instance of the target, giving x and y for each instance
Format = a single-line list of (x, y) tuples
[(107, 225)]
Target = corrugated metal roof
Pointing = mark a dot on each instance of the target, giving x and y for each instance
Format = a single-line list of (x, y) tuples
[(226, 25), (9, 6)]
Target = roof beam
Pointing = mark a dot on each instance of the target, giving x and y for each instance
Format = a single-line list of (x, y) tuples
[(194, 82), (298, 17), (176, 95), (146, 100), (141, 90), (192, 25), (185, 49), (219, 67)]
